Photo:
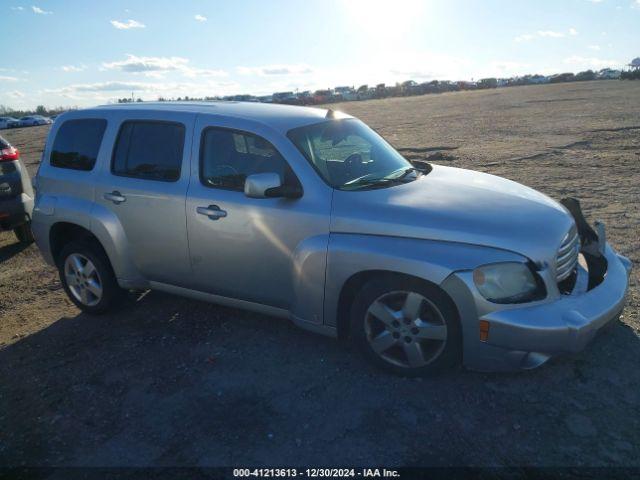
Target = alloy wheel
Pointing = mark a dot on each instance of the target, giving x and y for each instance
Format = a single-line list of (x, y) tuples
[(405, 329), (83, 279)]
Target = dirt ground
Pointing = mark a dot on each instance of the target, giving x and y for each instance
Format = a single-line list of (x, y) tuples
[(174, 382)]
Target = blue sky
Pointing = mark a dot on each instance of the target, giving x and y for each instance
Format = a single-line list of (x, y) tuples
[(73, 52)]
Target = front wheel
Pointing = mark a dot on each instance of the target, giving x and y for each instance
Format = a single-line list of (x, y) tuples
[(406, 326)]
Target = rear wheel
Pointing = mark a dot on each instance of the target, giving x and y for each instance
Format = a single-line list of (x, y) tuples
[(23, 233), (406, 326), (87, 277)]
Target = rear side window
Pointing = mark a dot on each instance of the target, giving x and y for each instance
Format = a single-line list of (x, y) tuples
[(77, 144), (149, 150), (227, 157)]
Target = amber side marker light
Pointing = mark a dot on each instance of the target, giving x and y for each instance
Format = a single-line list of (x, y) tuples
[(484, 330)]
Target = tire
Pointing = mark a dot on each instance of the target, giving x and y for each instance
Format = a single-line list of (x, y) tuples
[(406, 326), (87, 277), (24, 234)]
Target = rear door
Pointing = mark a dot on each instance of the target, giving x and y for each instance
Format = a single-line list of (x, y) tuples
[(145, 187)]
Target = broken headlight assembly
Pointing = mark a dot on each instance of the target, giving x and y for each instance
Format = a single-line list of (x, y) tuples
[(509, 282)]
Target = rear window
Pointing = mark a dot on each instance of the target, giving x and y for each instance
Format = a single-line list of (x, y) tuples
[(149, 150), (77, 144)]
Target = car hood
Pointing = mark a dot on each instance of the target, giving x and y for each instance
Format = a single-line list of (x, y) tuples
[(457, 205)]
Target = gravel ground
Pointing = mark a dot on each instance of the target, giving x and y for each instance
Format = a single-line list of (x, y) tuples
[(173, 382)]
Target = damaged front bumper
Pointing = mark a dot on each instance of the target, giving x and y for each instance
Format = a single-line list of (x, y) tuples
[(525, 336)]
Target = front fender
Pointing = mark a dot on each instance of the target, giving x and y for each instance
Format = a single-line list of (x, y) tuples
[(350, 254), (309, 268)]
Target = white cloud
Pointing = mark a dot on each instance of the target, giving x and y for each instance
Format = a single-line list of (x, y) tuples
[(526, 37), (40, 11), (73, 68), (202, 72), (276, 70), (101, 87), (200, 18), (137, 64), (550, 33), (16, 94), (155, 67), (90, 93), (5, 78), (128, 24), (594, 48), (17, 9), (591, 62)]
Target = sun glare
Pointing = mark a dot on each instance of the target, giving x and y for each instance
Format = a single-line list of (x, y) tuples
[(383, 19)]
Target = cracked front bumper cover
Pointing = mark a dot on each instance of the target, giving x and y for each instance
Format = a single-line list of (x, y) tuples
[(525, 336), (568, 323)]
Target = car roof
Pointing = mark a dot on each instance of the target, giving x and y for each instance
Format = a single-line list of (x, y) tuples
[(280, 117)]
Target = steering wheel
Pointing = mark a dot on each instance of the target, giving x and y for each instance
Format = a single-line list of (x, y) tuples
[(352, 165)]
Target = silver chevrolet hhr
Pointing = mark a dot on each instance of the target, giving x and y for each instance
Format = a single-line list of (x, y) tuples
[(310, 215)]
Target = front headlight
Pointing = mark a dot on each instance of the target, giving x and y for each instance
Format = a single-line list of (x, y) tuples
[(507, 283)]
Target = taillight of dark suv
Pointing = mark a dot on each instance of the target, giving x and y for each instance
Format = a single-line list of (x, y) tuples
[(16, 193)]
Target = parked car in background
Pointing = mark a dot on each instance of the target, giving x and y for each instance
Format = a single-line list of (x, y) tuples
[(16, 193), (9, 122), (34, 120), (310, 215)]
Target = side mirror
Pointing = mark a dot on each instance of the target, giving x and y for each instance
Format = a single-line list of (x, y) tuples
[(268, 185)]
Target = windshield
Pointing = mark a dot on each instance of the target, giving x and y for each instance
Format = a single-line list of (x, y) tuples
[(350, 155)]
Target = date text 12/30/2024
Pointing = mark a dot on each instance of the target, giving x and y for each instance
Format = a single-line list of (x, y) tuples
[(315, 473)]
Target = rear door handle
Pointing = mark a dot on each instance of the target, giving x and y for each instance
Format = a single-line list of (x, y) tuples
[(115, 197), (212, 211)]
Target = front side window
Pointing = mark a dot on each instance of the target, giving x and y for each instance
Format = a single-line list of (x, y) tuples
[(149, 150), (77, 144), (350, 155), (228, 157)]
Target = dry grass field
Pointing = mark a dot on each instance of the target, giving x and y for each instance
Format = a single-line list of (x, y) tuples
[(169, 381)]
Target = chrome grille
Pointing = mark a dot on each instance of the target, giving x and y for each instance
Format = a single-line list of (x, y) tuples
[(567, 256)]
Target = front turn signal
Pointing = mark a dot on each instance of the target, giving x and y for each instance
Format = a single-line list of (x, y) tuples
[(484, 330)]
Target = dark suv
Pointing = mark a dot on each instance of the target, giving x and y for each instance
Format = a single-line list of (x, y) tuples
[(16, 193)]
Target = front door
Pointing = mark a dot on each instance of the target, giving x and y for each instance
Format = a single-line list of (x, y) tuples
[(247, 250)]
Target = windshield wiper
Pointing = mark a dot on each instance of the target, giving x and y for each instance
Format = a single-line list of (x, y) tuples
[(367, 180), (370, 180), (405, 172)]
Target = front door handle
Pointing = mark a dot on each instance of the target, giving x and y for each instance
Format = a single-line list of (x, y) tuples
[(115, 197), (212, 211)]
